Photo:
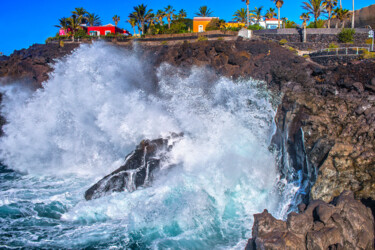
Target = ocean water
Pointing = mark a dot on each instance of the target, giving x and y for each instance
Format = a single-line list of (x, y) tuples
[(98, 104)]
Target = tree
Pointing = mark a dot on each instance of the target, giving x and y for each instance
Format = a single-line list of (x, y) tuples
[(314, 7), (132, 23), (64, 23), (74, 21), (169, 13), (240, 16), (247, 11), (215, 24), (305, 17), (116, 19), (329, 5), (204, 11), (160, 16), (141, 15), (342, 15), (81, 15), (93, 19), (279, 4), (270, 13), (182, 14), (257, 13)]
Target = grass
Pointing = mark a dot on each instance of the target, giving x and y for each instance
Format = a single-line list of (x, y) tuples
[(202, 38), (283, 41)]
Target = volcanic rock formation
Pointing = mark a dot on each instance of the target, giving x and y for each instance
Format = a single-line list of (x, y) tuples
[(343, 224), (137, 170)]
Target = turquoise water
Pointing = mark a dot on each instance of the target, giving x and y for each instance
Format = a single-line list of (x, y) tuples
[(97, 106)]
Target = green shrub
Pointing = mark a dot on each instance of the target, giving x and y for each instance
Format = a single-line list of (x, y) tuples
[(215, 24), (202, 38), (346, 35), (233, 28), (333, 46), (290, 24), (61, 43), (367, 55), (369, 41), (283, 41), (110, 35), (81, 34), (306, 56), (164, 43), (318, 24), (220, 39), (255, 27)]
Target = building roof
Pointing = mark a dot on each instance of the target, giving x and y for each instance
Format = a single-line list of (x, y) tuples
[(272, 19), (201, 18)]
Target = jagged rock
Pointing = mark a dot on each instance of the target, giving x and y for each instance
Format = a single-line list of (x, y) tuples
[(137, 170), (344, 224)]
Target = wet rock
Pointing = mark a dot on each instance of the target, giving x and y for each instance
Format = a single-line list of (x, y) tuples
[(343, 224), (138, 168)]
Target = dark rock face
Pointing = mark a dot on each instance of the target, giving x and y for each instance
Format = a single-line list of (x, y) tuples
[(343, 224), (32, 64), (137, 170), (330, 128)]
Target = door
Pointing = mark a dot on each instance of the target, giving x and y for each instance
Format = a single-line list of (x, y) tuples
[(200, 28)]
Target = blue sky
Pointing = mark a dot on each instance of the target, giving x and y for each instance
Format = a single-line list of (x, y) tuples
[(25, 22)]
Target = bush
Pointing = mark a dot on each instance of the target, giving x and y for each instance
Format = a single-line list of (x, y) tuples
[(220, 39), (318, 24), (164, 43), (81, 34), (233, 28), (333, 46), (367, 55), (177, 27), (255, 27), (290, 24), (346, 35), (202, 38), (215, 24), (369, 41), (283, 41)]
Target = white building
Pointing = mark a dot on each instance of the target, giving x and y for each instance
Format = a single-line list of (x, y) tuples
[(271, 23)]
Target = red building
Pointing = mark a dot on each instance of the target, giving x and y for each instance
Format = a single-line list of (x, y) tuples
[(104, 30)]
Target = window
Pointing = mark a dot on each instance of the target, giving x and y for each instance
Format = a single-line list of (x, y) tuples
[(200, 28), (107, 32)]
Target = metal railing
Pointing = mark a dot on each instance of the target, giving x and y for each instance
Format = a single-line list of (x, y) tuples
[(344, 51)]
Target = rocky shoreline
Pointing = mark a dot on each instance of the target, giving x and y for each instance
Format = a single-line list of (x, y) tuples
[(325, 122)]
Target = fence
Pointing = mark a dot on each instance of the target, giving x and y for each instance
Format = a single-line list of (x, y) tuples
[(350, 51)]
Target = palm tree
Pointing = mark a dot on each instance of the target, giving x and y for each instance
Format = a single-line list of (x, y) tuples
[(116, 19), (141, 15), (270, 13), (64, 23), (75, 22), (132, 22), (353, 16), (279, 4), (257, 13), (93, 19), (314, 7), (204, 11), (169, 14), (240, 16), (342, 15), (305, 17), (182, 14), (81, 15), (247, 11), (160, 16), (329, 5)]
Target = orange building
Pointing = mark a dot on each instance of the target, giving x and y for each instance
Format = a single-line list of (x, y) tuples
[(200, 23)]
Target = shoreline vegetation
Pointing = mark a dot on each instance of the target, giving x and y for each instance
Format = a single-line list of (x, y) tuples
[(167, 20)]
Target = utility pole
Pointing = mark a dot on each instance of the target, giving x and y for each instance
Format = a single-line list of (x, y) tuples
[(353, 16)]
